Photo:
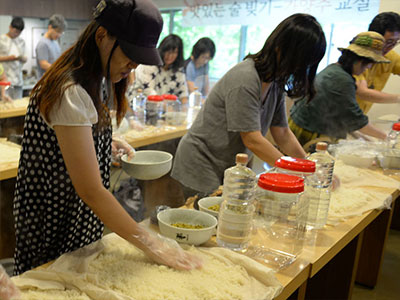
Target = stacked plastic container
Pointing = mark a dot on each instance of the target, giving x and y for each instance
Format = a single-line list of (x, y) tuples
[(154, 109), (235, 216), (173, 114), (280, 219)]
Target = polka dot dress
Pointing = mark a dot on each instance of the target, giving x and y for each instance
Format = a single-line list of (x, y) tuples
[(50, 218)]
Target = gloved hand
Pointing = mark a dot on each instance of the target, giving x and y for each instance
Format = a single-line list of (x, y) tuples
[(166, 251), (8, 291), (120, 147), (335, 182)]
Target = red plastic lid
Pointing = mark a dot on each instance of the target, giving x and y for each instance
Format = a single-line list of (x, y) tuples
[(396, 126), (282, 183), (170, 97), (5, 83), (155, 98), (295, 164)]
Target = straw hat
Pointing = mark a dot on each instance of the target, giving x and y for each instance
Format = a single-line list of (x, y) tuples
[(368, 44)]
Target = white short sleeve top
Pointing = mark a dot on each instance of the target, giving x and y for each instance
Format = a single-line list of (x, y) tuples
[(76, 108)]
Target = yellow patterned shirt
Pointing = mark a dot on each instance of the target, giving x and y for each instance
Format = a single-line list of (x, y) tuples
[(377, 76)]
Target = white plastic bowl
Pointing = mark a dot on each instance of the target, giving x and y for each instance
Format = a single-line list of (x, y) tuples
[(206, 202), (187, 216), (147, 164)]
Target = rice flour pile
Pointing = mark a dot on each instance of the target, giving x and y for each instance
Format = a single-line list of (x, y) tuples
[(360, 190), (114, 269)]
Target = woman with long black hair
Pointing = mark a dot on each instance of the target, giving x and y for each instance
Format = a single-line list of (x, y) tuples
[(168, 78), (249, 100)]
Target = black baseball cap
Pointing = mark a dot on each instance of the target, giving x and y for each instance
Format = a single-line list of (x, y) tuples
[(136, 24)]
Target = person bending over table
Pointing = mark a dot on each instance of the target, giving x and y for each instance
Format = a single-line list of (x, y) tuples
[(246, 102), (61, 195), (334, 112)]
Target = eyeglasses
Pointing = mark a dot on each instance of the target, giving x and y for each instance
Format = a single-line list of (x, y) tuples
[(392, 43)]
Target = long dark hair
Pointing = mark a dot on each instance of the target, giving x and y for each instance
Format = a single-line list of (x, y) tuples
[(79, 64), (203, 45), (349, 58), (172, 42), (291, 55)]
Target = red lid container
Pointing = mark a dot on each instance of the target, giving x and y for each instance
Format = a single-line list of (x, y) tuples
[(5, 83), (155, 98), (282, 183), (295, 164), (396, 126), (170, 97)]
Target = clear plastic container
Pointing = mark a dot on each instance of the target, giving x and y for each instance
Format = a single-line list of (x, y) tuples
[(303, 168), (237, 209), (173, 114), (393, 138), (138, 106), (8, 89), (319, 187), (280, 219), (195, 103), (294, 166), (154, 109)]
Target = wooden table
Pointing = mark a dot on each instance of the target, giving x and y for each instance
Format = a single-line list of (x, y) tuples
[(347, 253), (9, 164), (18, 110), (154, 135), (9, 170)]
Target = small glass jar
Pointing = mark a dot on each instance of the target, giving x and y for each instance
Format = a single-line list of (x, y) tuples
[(280, 219), (154, 109)]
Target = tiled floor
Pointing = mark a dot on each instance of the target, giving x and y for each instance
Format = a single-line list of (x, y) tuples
[(388, 287)]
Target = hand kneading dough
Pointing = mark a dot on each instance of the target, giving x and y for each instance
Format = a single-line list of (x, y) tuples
[(114, 269)]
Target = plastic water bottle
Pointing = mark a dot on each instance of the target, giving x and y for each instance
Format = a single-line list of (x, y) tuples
[(195, 102), (236, 213), (138, 106), (318, 187), (393, 139)]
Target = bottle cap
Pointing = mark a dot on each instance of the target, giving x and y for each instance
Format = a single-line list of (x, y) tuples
[(396, 126), (322, 146), (170, 97), (295, 164), (282, 183), (139, 90), (242, 158), (155, 98)]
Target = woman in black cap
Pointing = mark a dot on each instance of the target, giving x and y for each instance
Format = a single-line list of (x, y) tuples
[(61, 196)]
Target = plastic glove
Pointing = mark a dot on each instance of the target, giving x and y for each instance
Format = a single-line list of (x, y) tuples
[(120, 147), (166, 251), (335, 182), (8, 291)]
